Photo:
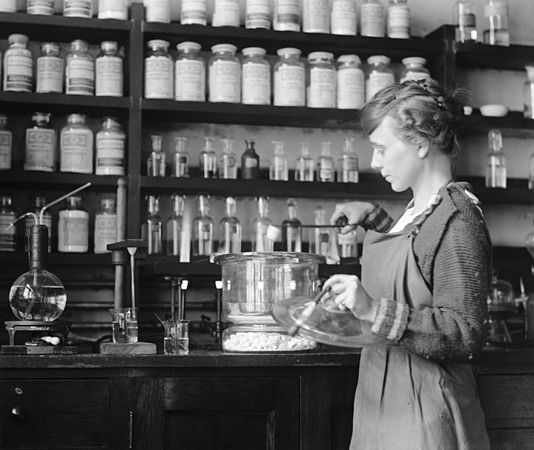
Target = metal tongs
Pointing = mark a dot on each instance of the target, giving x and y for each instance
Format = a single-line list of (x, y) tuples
[(307, 312)]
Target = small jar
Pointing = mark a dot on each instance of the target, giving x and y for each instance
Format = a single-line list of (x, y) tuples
[(6, 144), (76, 146), (73, 227), (350, 83), (258, 14), (110, 145), (9, 6), (322, 80), (316, 16), (180, 158), (226, 13), (224, 74), (289, 78), (113, 9), (157, 11), (343, 17), (40, 7), (49, 69), (190, 73), (414, 69), (40, 144), (528, 93), (379, 75), (109, 70), (194, 12), (372, 19), (398, 24), (78, 8), (8, 237), (256, 70), (159, 69), (79, 69), (18, 64), (286, 15), (105, 224)]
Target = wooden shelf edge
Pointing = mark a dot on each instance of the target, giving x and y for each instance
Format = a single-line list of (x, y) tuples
[(58, 20), (55, 180), (59, 259)]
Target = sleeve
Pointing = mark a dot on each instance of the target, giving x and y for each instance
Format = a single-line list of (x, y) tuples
[(377, 219)]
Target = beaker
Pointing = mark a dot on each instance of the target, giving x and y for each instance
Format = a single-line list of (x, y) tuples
[(124, 325), (176, 338)]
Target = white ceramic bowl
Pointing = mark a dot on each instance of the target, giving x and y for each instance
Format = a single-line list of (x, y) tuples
[(493, 110)]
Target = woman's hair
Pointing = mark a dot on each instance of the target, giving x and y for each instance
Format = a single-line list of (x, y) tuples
[(424, 113)]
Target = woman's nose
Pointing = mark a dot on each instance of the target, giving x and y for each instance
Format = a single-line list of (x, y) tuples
[(375, 161)]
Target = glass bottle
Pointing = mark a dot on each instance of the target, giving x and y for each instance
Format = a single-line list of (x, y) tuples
[(347, 169), (256, 77), (76, 146), (8, 237), (304, 166), (113, 9), (208, 160), (289, 78), (49, 69), (316, 16), (9, 6), (250, 162), (40, 7), (159, 70), (496, 32), (36, 205), (278, 168), (230, 229), (350, 93), (110, 148), (529, 244), (398, 19), (180, 158), (224, 74), (105, 224), (152, 227), (414, 69), (40, 144), (321, 89), (495, 161), (465, 20), (194, 12), (292, 229), (258, 14), (343, 17), (203, 228), (190, 73), (261, 223), (379, 75), (226, 13), (18, 64), (286, 15), (372, 19), (79, 69), (531, 171), (319, 243), (528, 93), (348, 246), (157, 11), (109, 70), (155, 164), (73, 227), (78, 8), (6, 144), (174, 226), (228, 160), (326, 170)]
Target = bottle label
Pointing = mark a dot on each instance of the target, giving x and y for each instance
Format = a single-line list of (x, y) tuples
[(350, 88), (73, 231), (258, 14), (226, 13), (322, 90), (372, 19), (378, 81), (105, 231), (256, 84), (399, 22), (7, 237), (109, 78), (29, 222), (113, 9), (78, 8), (343, 17), (190, 81), (251, 163), (49, 74), (289, 87), (158, 77), (76, 151), (157, 11), (80, 76), (18, 67), (6, 149), (109, 154), (412, 75), (43, 7), (193, 12), (40, 149), (286, 15), (225, 81)]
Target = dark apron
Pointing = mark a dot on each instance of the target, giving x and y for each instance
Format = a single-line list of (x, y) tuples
[(405, 402)]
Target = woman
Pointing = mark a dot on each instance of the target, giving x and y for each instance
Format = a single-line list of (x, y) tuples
[(424, 281)]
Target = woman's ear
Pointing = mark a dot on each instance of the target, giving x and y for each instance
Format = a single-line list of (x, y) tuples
[(422, 150)]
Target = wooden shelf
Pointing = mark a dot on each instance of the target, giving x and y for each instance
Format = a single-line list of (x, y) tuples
[(516, 193), (55, 181), (514, 120)]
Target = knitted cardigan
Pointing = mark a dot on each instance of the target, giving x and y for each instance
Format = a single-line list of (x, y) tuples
[(453, 251)]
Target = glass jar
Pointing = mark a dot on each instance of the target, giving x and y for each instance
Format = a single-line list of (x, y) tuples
[(350, 93), (372, 19), (531, 173), (304, 165), (414, 69), (159, 69), (347, 167), (286, 15), (278, 170), (157, 11), (40, 7), (152, 228), (109, 70), (258, 14), (224, 74), (76, 146), (250, 162), (36, 204), (465, 20), (194, 12), (110, 148), (316, 16), (528, 93), (398, 19), (343, 17), (113, 9), (40, 144), (49, 69), (228, 161), (73, 227), (8, 236), (156, 163), (496, 32), (18, 64), (79, 69), (379, 75), (190, 73), (174, 227), (226, 13), (326, 166), (495, 161), (321, 88), (180, 159), (105, 224), (203, 229), (6, 144), (9, 6), (256, 83), (78, 8), (289, 78)]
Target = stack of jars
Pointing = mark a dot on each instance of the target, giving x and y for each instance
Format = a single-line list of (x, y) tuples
[(107, 9)]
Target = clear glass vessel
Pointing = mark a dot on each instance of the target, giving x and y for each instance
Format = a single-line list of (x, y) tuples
[(157, 11), (291, 229), (531, 171), (304, 165), (73, 227), (321, 89), (203, 229), (316, 16), (79, 69), (398, 19), (6, 144), (320, 235), (152, 228), (173, 235), (36, 204), (250, 162), (465, 20), (18, 64), (256, 77), (78, 8), (50, 70), (194, 12), (495, 161), (208, 159), (258, 14), (286, 15), (156, 161), (260, 242), (350, 92), (110, 148), (230, 229), (109, 70), (344, 17), (228, 160), (224, 74), (190, 73), (180, 158), (40, 7), (8, 236), (326, 167), (372, 18), (289, 79), (105, 224), (76, 146), (528, 93), (496, 32), (278, 168), (414, 69), (40, 144), (347, 168), (159, 70), (378, 76), (113, 9), (226, 13)]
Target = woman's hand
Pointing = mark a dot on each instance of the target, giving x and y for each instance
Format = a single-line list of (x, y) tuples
[(355, 212), (348, 293)]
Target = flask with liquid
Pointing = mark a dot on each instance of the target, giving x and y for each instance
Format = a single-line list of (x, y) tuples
[(495, 161), (40, 144), (49, 69), (174, 228), (73, 227), (465, 20), (260, 242), (347, 169), (230, 229), (76, 146), (250, 162), (190, 73), (180, 158), (224, 74), (156, 161), (350, 93), (226, 13), (343, 17), (278, 169), (208, 160), (228, 160), (109, 71), (105, 224), (36, 205), (289, 79), (110, 148), (496, 32), (6, 144), (203, 228), (79, 69), (159, 70), (18, 64), (292, 229), (325, 164), (256, 77), (151, 229), (304, 165), (8, 236)]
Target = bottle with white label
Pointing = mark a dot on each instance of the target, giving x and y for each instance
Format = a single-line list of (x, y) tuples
[(258, 14), (228, 160), (78, 8), (372, 19), (159, 70), (286, 15), (350, 92), (9, 6), (18, 64), (73, 227), (343, 17), (109, 70), (496, 29), (256, 78), (326, 167), (180, 158), (278, 167), (465, 20), (414, 69), (224, 74), (379, 75), (347, 168), (105, 224), (226, 13), (208, 159), (316, 16), (113, 9), (8, 237), (50, 69), (289, 78), (40, 144), (194, 12), (79, 69), (398, 20), (322, 81), (6, 144), (40, 7), (110, 148), (36, 205), (76, 146), (190, 73), (157, 11)]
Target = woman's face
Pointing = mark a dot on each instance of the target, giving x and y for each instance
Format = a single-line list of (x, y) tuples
[(397, 160)]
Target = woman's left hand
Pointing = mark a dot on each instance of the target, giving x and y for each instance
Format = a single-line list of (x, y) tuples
[(349, 293)]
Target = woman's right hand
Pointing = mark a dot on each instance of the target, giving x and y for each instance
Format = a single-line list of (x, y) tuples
[(355, 213)]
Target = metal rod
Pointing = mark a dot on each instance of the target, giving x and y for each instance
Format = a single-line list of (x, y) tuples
[(131, 251), (63, 197)]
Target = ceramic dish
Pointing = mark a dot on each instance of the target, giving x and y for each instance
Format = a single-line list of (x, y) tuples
[(493, 110)]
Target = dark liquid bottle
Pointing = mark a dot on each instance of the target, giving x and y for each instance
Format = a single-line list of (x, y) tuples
[(250, 162)]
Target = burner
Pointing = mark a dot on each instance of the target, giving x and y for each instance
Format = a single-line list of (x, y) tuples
[(40, 337)]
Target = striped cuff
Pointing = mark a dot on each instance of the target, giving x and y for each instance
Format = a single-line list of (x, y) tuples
[(391, 319), (378, 220)]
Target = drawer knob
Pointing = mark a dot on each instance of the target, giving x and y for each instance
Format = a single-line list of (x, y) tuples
[(16, 412), (18, 390)]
